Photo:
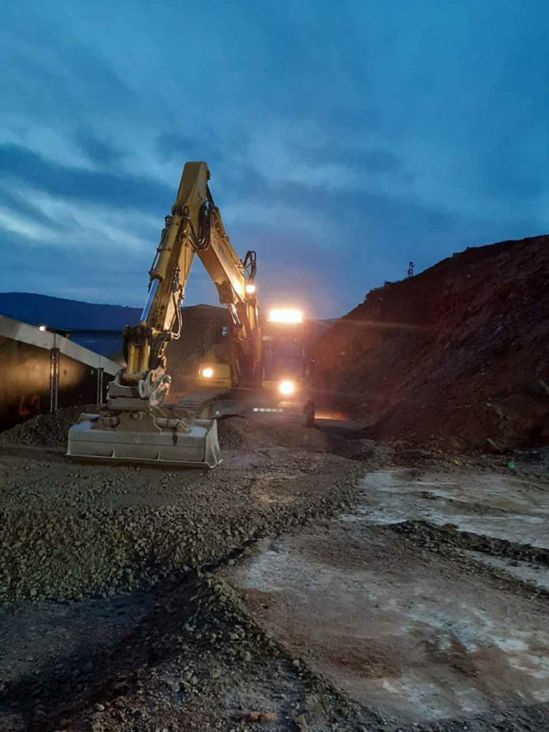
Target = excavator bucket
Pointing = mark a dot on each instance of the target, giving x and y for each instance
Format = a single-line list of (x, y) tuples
[(148, 440)]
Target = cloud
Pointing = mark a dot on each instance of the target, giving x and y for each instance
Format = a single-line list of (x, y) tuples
[(182, 147), (110, 189), (97, 149), (343, 139)]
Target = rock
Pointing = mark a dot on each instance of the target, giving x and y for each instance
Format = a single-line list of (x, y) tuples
[(261, 716)]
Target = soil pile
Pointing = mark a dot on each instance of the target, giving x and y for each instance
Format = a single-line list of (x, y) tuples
[(46, 430), (456, 357)]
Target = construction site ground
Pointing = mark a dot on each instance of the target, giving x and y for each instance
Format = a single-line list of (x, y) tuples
[(314, 581)]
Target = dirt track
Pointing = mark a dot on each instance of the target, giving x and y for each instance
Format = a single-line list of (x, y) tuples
[(131, 597)]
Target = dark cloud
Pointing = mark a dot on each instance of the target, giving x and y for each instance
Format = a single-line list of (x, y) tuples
[(52, 75), (97, 149), (21, 205), (109, 189), (172, 145), (369, 160)]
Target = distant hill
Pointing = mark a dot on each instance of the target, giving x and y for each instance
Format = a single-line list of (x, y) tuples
[(92, 325), (64, 314)]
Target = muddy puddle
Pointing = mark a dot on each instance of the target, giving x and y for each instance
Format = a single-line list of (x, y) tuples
[(413, 633)]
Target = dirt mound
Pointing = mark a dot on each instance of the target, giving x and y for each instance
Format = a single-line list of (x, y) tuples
[(45, 430), (455, 357)]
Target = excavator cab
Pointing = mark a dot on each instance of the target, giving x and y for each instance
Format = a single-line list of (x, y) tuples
[(283, 390), (214, 368), (286, 381)]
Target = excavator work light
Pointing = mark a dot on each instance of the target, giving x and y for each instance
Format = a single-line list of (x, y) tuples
[(286, 387), (207, 372), (285, 315)]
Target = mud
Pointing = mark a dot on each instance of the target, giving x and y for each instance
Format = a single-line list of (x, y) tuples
[(424, 625)]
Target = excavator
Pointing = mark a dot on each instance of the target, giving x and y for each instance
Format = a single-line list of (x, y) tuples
[(255, 368)]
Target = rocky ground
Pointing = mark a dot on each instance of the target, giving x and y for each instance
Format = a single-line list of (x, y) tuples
[(121, 608)]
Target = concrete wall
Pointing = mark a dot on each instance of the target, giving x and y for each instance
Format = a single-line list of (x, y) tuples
[(41, 371)]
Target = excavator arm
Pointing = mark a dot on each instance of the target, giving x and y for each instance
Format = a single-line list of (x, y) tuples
[(194, 227), (137, 425)]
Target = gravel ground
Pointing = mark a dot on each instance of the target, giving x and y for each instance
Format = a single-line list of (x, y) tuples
[(71, 531), (45, 430), (88, 534), (197, 661), (114, 615)]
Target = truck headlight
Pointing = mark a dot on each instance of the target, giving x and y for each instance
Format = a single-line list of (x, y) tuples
[(207, 372), (286, 387)]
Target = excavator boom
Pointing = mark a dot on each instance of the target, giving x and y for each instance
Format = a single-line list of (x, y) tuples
[(137, 424)]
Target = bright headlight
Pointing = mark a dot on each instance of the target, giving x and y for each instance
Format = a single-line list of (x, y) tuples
[(286, 387), (207, 372), (285, 315)]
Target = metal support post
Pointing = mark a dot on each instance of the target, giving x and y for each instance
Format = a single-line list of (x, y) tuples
[(54, 379), (100, 380)]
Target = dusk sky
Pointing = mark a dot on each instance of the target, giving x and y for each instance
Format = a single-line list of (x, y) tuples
[(343, 138)]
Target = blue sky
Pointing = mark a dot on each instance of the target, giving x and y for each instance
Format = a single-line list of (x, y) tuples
[(344, 138)]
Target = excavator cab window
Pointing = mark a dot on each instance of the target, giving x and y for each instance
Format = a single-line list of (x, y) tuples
[(283, 357)]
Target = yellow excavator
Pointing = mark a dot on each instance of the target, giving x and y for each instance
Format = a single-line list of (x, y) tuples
[(250, 370)]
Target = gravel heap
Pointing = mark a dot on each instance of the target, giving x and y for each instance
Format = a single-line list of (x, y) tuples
[(50, 430), (238, 432), (71, 531), (45, 430)]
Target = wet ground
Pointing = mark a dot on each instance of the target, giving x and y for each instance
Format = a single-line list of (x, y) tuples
[(418, 626)]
